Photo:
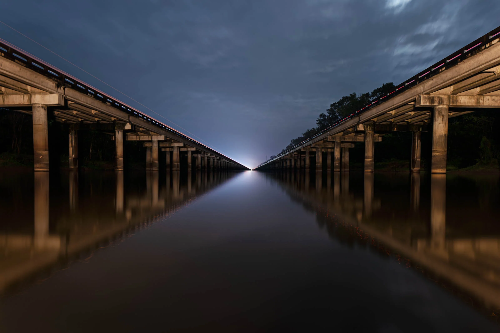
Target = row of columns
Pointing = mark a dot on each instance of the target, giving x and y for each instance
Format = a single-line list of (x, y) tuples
[(341, 153)]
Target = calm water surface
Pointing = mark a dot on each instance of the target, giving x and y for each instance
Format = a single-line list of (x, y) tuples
[(248, 252)]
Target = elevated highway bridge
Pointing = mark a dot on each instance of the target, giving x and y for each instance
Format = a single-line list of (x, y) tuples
[(467, 80), (30, 85)]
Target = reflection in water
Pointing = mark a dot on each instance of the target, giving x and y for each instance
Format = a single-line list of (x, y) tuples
[(461, 249), (93, 216)]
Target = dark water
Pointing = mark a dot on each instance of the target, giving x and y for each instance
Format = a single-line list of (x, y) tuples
[(248, 252)]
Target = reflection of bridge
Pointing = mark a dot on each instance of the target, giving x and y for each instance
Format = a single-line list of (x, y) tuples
[(83, 229), (467, 80), (470, 263), (31, 86)]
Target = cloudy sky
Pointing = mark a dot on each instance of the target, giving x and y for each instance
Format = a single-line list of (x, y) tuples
[(245, 77)]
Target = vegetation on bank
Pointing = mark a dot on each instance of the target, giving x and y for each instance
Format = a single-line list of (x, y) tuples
[(473, 139)]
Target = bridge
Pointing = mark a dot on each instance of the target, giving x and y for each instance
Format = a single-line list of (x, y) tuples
[(465, 81), (30, 85)]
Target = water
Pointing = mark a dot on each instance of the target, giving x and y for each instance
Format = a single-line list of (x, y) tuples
[(247, 252)]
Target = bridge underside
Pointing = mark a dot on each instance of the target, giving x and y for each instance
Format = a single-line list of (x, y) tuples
[(26, 91)]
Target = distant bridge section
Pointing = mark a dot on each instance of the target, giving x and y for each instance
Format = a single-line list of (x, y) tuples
[(30, 85), (467, 80)]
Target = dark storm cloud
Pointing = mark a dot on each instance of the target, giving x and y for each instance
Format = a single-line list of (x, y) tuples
[(246, 76)]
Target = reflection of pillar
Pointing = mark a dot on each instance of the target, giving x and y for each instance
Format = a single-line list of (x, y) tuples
[(40, 138), (345, 184), (328, 160), (189, 159), (368, 194), (155, 165), (369, 147), (307, 161), (189, 182), (336, 186), (319, 159), (41, 208), (439, 139), (175, 184), (438, 210), (336, 155), (167, 159), (119, 146), (416, 148), (148, 158), (176, 165), (198, 161), (307, 180), (120, 195), (345, 159), (319, 181), (328, 182), (415, 191), (73, 190), (155, 188), (73, 147)]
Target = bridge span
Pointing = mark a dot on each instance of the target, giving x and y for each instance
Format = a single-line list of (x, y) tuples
[(467, 80), (30, 85)]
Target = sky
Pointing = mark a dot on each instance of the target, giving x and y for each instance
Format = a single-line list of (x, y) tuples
[(244, 77)]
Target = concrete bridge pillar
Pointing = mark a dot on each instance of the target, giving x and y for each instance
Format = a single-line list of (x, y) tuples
[(329, 160), (119, 146), (155, 165), (319, 160), (308, 160), (416, 148), (189, 159), (40, 137), (439, 139), (336, 155), (205, 162), (176, 165), (369, 147), (345, 159), (198, 162), (73, 147)]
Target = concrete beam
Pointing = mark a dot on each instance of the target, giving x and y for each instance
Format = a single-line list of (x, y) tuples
[(145, 137), (458, 101), (347, 145), (30, 99)]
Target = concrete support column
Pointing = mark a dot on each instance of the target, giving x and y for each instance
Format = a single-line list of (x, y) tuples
[(155, 165), (176, 165), (73, 148), (205, 162), (416, 148), (148, 158), (168, 162), (336, 155), (329, 160), (308, 160), (439, 139), (40, 137), (119, 146), (319, 160), (189, 159), (345, 159), (198, 162), (369, 147)]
